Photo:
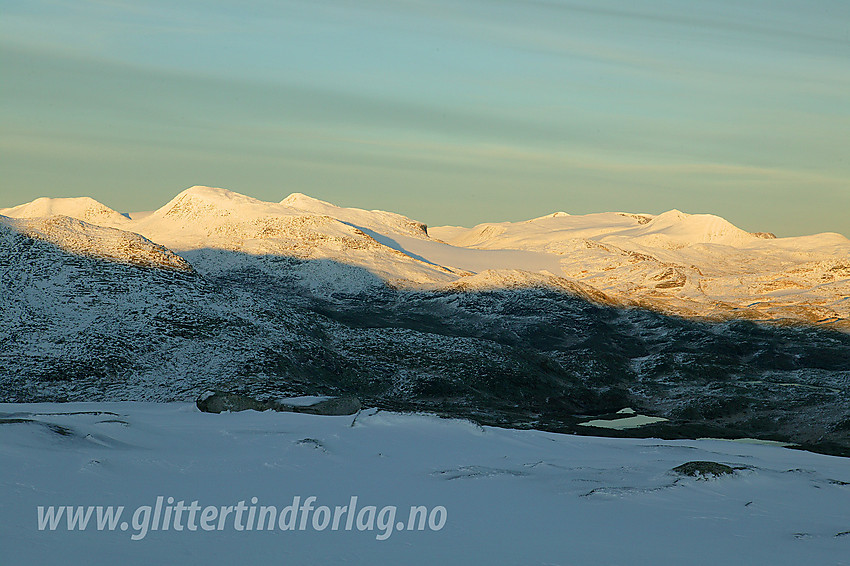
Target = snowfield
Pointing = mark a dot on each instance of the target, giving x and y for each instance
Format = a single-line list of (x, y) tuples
[(510, 496)]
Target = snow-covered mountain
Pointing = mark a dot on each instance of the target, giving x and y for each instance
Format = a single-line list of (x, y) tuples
[(687, 264), (82, 208), (82, 238), (693, 265), (514, 324)]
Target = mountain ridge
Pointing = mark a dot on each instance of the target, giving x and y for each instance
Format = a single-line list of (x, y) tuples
[(692, 265)]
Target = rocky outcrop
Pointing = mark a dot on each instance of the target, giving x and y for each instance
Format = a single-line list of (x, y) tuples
[(222, 401), (704, 469)]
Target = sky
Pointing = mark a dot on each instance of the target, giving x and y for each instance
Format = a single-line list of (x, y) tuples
[(447, 111)]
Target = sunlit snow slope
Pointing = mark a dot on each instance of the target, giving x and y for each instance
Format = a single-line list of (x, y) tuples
[(694, 265)]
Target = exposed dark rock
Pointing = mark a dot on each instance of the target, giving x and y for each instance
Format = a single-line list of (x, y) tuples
[(221, 401), (703, 469), (347, 405)]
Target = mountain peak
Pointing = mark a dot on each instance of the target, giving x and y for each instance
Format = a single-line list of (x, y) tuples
[(558, 214), (305, 202), (200, 201), (686, 229), (81, 208), (673, 215), (214, 194)]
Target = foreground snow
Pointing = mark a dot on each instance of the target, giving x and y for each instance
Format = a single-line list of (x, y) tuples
[(512, 497)]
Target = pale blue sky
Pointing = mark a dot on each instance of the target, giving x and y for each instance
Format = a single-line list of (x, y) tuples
[(452, 112)]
